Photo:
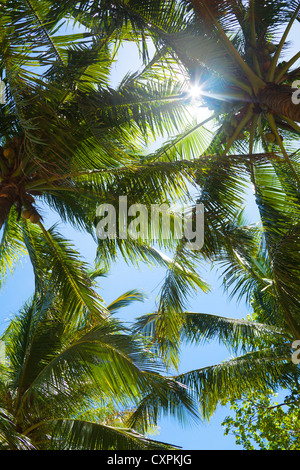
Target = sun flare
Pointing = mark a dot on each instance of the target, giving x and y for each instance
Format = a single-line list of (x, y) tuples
[(195, 91), (198, 111)]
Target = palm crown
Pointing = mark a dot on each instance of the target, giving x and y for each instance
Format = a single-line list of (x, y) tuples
[(64, 130), (234, 51)]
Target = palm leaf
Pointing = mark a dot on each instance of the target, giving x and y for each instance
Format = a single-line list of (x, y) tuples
[(11, 247), (82, 435), (264, 369)]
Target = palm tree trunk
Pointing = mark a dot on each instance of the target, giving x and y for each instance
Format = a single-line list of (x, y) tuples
[(278, 98), (8, 196)]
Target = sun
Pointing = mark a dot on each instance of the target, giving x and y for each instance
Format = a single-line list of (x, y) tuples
[(197, 109), (194, 91)]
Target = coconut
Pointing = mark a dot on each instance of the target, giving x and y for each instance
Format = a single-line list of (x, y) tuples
[(267, 65), (9, 153), (34, 218), (26, 214), (270, 137), (271, 47)]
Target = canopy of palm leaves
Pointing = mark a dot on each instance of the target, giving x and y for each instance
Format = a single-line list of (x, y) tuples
[(92, 385), (235, 52), (64, 154), (67, 137), (70, 141), (260, 346)]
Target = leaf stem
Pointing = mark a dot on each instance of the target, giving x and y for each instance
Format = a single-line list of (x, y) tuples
[(286, 67), (271, 72), (239, 128), (255, 81), (273, 126)]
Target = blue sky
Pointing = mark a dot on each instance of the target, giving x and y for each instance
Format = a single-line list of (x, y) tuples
[(204, 436)]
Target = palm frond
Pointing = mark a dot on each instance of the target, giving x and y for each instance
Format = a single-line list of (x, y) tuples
[(11, 247), (82, 435), (125, 300), (63, 264), (259, 370)]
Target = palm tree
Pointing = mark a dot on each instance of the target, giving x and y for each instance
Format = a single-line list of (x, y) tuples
[(70, 141), (66, 134), (234, 52), (260, 264), (92, 385)]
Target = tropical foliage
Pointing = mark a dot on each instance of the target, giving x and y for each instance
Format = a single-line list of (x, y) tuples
[(223, 48), (260, 345), (89, 385), (262, 422), (70, 141)]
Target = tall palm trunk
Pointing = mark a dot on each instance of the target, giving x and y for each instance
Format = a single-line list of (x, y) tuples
[(278, 98), (8, 196)]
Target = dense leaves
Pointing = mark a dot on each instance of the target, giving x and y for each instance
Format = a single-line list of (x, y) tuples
[(70, 141), (262, 422), (88, 386)]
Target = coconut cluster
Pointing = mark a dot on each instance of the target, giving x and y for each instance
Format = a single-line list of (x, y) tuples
[(267, 56), (230, 127), (271, 138), (31, 215), (264, 55), (9, 154), (10, 151)]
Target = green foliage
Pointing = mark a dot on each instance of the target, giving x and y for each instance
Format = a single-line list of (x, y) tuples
[(77, 142), (260, 422), (90, 385), (71, 142)]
